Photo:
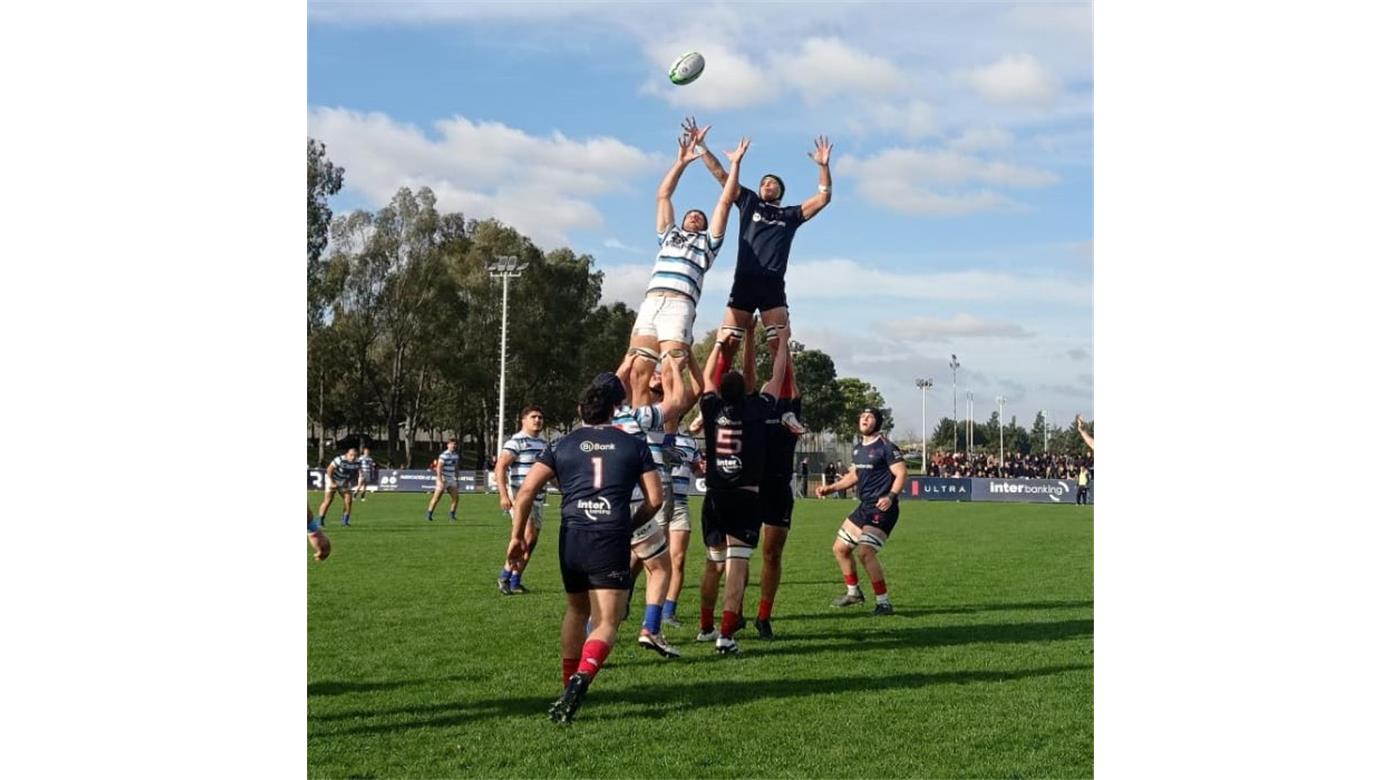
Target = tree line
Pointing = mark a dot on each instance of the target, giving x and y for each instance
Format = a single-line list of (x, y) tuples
[(403, 327)]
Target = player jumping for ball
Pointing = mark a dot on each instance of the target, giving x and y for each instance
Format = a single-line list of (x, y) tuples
[(597, 466), (517, 455), (877, 467), (687, 252), (766, 230)]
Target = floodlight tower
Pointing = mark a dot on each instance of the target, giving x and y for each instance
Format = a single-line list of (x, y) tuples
[(954, 365), (1001, 435), (505, 268), (923, 385)]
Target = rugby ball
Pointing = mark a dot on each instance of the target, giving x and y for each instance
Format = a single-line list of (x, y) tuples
[(687, 68)]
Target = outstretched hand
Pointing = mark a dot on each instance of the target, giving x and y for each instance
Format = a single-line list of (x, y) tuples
[(738, 154), (687, 151), (694, 130), (822, 155)]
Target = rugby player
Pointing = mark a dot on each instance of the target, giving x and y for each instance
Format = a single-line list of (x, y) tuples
[(766, 230), (775, 493), (597, 466), (518, 454), (340, 478), (735, 445), (878, 472), (316, 537), (367, 473), (687, 459), (687, 252), (446, 469)]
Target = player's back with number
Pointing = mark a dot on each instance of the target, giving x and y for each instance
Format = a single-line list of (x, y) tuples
[(597, 469)]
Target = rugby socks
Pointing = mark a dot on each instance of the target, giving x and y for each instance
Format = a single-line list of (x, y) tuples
[(882, 595), (595, 652), (728, 624), (668, 610), (430, 515), (570, 666), (651, 621), (765, 609), (505, 573), (853, 584), (707, 619), (452, 515), (345, 519), (514, 580)]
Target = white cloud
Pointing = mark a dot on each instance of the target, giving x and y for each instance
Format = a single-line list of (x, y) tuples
[(612, 242), (975, 139), (626, 283), (964, 326), (1015, 79), (913, 120), (843, 278), (932, 182), (730, 80), (823, 68), (537, 184)]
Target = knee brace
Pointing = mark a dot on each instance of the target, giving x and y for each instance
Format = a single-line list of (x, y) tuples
[(738, 551), (770, 332), (846, 537), (651, 545), (733, 330), (872, 541), (678, 353), (646, 352), (715, 554)]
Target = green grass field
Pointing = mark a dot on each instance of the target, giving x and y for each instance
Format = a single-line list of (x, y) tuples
[(418, 667)]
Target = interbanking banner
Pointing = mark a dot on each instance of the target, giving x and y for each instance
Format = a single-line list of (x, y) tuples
[(938, 489), (1046, 491), (399, 481)]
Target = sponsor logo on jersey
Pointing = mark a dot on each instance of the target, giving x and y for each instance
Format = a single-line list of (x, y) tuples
[(590, 446), (760, 218), (593, 508), (729, 464)]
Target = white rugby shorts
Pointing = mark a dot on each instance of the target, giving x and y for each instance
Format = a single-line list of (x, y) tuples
[(668, 318)]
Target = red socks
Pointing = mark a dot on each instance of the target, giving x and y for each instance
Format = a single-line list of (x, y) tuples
[(707, 619), (729, 623), (595, 653), (879, 586), (852, 579), (765, 609), (570, 666)]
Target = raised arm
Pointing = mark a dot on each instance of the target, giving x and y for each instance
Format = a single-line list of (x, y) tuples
[(1083, 434), (697, 385), (780, 364), (731, 190), (665, 212), (712, 381), (822, 157), (750, 359), (697, 132)]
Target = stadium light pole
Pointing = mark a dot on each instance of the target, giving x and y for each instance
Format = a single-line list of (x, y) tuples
[(1001, 436), (1045, 430), (970, 440), (923, 385), (505, 268), (954, 365)]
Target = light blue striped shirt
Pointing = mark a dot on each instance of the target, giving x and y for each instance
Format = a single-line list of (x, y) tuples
[(682, 261)]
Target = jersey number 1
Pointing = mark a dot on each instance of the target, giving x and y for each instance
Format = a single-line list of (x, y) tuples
[(597, 472)]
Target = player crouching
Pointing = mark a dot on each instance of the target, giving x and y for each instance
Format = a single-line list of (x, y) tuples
[(877, 466)]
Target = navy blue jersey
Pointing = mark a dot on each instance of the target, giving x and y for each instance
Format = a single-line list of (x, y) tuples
[(735, 440), (766, 233), (872, 461), (597, 469), (782, 443)]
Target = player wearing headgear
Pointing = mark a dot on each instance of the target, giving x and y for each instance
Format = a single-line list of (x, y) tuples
[(341, 476), (766, 229), (597, 466), (687, 252), (877, 468), (735, 448), (517, 455), (775, 493), (316, 537), (368, 473), (647, 421), (446, 469)]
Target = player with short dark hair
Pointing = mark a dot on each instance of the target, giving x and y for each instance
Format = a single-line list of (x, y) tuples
[(517, 455), (878, 471), (597, 467), (446, 469), (340, 478), (735, 448)]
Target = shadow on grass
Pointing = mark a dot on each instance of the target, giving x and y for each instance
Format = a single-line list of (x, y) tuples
[(337, 687), (956, 609), (652, 701)]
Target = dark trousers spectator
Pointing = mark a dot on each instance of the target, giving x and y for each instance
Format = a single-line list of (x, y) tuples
[(1082, 496)]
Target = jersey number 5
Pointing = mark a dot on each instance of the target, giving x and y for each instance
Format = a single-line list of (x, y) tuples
[(728, 441)]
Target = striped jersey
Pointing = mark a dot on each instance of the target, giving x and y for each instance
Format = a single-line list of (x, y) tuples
[(367, 467), (646, 424), (682, 261), (344, 469), (683, 452), (448, 461), (526, 449)]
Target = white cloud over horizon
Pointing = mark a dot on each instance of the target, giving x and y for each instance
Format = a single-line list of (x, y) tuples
[(938, 182), (1015, 79)]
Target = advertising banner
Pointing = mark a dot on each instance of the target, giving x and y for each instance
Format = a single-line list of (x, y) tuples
[(938, 489), (399, 481), (1047, 491)]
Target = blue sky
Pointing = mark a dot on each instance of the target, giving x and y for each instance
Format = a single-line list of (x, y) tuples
[(962, 211)]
